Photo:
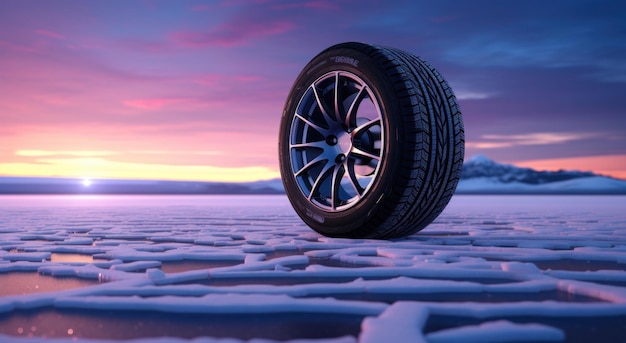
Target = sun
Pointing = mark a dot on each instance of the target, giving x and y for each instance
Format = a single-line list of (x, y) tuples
[(86, 182)]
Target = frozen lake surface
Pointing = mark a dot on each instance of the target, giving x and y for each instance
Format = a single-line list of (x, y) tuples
[(246, 269)]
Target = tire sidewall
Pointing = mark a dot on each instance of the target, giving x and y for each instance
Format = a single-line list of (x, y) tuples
[(358, 217)]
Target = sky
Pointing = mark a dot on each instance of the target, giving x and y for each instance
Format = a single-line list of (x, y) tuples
[(194, 90)]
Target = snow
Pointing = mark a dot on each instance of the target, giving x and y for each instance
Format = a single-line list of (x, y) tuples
[(491, 184), (406, 319), (508, 268), (479, 159), (582, 185), (498, 331), (589, 184)]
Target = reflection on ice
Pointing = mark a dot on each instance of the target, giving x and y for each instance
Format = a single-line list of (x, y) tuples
[(76, 258), (23, 283), (580, 265), (122, 325), (187, 265), (141, 267)]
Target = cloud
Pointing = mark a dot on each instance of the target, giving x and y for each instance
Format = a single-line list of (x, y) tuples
[(462, 94), (148, 46), (491, 141), (173, 152), (154, 103), (612, 165), (514, 35), (515, 70), (10, 46), (231, 82), (233, 33), (315, 4), (78, 153), (50, 34)]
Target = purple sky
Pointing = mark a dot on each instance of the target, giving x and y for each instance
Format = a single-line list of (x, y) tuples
[(195, 90)]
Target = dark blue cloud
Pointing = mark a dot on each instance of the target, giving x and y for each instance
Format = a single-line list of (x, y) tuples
[(527, 67)]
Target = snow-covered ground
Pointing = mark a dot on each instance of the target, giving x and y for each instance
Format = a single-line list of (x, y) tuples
[(245, 269)]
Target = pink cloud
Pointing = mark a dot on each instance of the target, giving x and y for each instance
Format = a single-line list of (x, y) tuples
[(188, 107), (231, 33), (226, 81), (16, 47), (50, 34), (247, 78), (146, 46), (153, 103), (315, 4), (208, 79)]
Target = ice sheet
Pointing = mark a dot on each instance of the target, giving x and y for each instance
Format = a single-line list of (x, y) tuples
[(489, 269)]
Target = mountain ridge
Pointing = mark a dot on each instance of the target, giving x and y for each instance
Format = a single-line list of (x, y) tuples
[(482, 175), (481, 166)]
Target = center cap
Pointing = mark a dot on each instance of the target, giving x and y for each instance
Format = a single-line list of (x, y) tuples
[(345, 143)]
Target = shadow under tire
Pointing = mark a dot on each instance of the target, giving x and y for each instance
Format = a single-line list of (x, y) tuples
[(371, 142)]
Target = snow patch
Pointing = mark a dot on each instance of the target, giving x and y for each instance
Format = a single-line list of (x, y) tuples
[(498, 331)]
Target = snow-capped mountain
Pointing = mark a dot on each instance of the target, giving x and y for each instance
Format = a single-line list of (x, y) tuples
[(484, 176)]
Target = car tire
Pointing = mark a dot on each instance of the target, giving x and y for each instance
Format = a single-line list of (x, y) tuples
[(371, 142)]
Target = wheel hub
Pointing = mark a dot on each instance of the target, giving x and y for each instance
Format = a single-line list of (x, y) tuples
[(336, 141), (338, 146), (345, 143)]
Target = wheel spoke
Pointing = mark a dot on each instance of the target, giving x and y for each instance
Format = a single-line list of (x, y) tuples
[(322, 107), (318, 180), (366, 126), (353, 106), (317, 144), (352, 177), (335, 185), (357, 151), (337, 99), (311, 163), (316, 127)]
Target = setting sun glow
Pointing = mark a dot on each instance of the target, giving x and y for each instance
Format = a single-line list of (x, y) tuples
[(196, 92)]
